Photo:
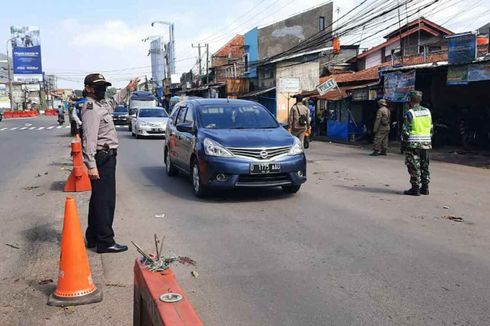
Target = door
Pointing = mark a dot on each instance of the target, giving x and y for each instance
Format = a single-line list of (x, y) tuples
[(172, 134), (187, 140), (177, 139)]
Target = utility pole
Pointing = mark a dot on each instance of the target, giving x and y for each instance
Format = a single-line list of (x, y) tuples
[(199, 57), (11, 96), (207, 64)]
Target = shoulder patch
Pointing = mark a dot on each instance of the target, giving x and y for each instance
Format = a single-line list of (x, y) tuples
[(90, 106)]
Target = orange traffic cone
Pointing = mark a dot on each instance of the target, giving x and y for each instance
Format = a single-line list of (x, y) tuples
[(78, 180), (75, 284)]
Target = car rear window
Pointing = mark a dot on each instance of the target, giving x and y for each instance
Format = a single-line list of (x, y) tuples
[(236, 117), (152, 113)]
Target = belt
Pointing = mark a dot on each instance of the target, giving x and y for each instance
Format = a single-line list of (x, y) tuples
[(111, 151)]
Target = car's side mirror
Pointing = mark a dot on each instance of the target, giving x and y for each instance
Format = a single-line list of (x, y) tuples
[(185, 127)]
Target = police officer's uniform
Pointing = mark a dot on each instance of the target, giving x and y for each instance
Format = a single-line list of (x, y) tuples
[(100, 145)]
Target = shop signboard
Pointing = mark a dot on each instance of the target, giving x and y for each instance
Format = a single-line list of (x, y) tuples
[(326, 86), (360, 94), (461, 48), (479, 72), (457, 75), (397, 85), (289, 85), (26, 53)]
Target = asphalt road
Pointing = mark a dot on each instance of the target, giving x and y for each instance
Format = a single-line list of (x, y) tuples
[(348, 249)]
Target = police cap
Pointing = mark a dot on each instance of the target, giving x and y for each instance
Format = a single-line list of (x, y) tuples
[(415, 95), (96, 80)]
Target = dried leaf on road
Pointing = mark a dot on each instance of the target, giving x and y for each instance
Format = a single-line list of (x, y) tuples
[(186, 261), (69, 309), (46, 281), (12, 246), (453, 218), (195, 274), (38, 175), (117, 285), (445, 207)]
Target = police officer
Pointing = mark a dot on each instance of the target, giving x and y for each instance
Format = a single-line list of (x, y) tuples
[(100, 145), (381, 129), (417, 135)]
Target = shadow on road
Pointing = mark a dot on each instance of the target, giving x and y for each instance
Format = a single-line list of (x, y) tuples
[(57, 186), (181, 187), (374, 190)]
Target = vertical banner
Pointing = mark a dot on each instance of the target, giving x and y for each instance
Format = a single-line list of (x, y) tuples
[(26, 53)]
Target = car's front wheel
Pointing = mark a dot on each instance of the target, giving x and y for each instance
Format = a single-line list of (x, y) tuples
[(169, 167), (199, 190), (291, 189)]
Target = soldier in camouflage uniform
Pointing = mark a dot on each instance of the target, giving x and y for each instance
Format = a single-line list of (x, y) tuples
[(416, 135)]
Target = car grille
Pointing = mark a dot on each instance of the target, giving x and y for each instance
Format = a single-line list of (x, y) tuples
[(260, 153), (263, 179)]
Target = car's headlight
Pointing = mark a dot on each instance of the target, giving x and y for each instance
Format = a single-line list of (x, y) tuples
[(297, 147), (213, 148)]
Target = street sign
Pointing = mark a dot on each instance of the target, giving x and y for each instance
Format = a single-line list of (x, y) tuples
[(26, 53), (461, 48), (326, 86), (289, 85)]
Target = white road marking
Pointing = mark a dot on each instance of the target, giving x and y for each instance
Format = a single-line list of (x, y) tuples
[(67, 127), (59, 127), (32, 128), (4, 129), (49, 128), (14, 128), (23, 128), (40, 128)]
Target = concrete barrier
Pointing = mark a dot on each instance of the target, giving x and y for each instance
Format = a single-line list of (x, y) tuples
[(150, 310), (19, 114)]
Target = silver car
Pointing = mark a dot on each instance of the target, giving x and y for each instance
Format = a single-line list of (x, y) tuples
[(151, 121)]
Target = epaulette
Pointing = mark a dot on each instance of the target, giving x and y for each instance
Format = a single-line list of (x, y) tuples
[(90, 106)]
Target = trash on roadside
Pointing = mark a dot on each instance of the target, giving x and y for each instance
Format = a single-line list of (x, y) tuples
[(195, 274), (45, 173), (69, 309), (160, 215), (186, 261), (30, 187), (38, 175), (453, 218), (117, 285), (12, 246), (445, 207), (46, 281)]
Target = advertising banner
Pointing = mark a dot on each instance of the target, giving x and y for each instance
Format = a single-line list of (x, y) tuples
[(461, 48), (289, 85), (479, 72), (457, 75), (26, 53), (398, 84)]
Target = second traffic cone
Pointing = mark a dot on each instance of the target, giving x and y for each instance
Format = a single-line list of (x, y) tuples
[(78, 180), (75, 285)]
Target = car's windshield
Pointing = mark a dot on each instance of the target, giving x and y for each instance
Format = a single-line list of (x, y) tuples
[(152, 113), (120, 109), (142, 103), (236, 117)]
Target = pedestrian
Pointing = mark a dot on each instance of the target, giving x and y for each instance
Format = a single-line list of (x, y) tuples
[(299, 119), (417, 135), (381, 129), (100, 145)]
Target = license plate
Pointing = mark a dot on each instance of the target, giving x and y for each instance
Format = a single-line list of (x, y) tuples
[(265, 168)]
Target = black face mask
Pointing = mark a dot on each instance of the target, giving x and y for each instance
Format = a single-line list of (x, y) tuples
[(99, 92)]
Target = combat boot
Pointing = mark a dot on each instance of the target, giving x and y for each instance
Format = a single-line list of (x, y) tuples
[(414, 191), (424, 190)]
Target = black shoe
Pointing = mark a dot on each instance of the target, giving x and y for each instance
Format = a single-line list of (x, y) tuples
[(383, 153), (414, 191), (112, 249), (424, 190), (375, 153)]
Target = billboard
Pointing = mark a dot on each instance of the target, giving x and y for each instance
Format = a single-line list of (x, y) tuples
[(398, 84), (26, 53), (461, 48)]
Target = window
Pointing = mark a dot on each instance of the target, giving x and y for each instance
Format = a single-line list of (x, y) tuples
[(189, 117), (236, 117), (180, 116), (322, 23), (245, 61)]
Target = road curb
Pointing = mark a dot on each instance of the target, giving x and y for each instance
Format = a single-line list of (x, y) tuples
[(149, 309)]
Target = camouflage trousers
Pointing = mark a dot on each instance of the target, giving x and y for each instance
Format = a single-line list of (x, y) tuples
[(417, 162)]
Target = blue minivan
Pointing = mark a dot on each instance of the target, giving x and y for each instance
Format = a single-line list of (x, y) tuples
[(226, 143)]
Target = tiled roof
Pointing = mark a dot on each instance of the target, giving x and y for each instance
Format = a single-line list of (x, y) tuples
[(233, 48)]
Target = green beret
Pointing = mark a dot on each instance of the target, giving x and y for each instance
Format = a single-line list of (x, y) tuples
[(416, 95)]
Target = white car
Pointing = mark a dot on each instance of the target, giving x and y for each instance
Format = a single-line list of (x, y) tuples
[(151, 121)]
